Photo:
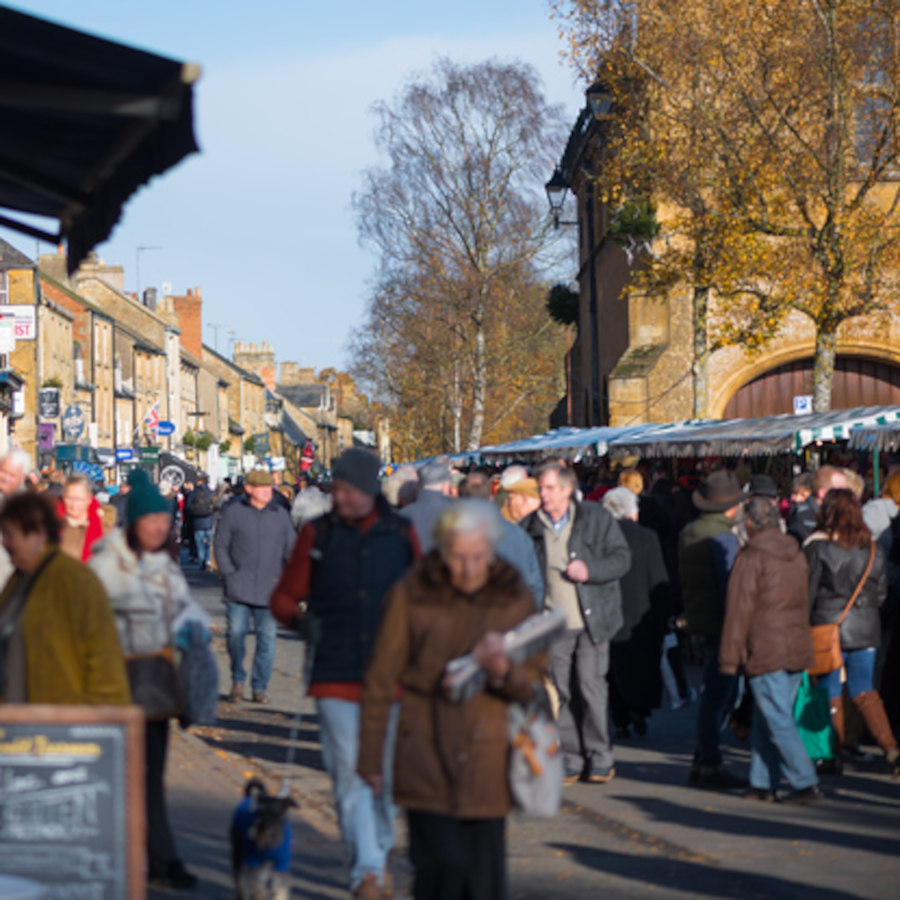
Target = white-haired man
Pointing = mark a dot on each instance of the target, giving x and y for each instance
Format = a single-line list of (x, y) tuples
[(14, 467)]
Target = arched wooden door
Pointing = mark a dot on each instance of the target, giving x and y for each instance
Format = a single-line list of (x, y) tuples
[(857, 382)]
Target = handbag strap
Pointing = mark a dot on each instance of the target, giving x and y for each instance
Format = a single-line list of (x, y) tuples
[(22, 591), (862, 581)]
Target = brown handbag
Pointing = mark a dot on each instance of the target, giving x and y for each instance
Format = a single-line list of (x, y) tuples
[(826, 638)]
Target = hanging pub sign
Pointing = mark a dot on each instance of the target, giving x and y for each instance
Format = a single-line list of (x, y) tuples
[(48, 403), (73, 422)]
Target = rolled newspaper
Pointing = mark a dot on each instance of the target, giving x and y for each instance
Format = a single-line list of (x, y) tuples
[(464, 677)]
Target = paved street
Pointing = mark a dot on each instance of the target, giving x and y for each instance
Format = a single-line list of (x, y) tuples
[(644, 834)]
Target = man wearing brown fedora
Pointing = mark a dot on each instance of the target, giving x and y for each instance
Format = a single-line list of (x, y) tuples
[(700, 567)]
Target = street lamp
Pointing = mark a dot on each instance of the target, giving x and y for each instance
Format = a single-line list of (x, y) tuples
[(599, 99), (557, 188)]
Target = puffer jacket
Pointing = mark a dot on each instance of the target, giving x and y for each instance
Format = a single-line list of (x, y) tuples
[(766, 624), (834, 572), (450, 758), (144, 592), (251, 546)]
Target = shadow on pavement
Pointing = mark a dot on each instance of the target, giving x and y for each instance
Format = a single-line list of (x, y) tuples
[(788, 830), (698, 879)]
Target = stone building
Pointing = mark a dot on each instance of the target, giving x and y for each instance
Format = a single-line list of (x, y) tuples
[(631, 361)]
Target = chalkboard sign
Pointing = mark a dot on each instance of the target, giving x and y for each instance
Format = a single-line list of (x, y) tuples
[(72, 801)]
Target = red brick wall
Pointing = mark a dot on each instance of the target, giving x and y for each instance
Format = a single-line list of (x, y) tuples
[(189, 310)]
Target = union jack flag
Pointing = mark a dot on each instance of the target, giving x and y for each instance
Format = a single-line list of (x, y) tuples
[(151, 420)]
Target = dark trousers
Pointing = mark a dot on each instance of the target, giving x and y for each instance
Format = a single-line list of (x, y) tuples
[(716, 704), (160, 844), (457, 859)]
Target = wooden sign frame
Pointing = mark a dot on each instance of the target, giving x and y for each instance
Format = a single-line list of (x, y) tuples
[(131, 720)]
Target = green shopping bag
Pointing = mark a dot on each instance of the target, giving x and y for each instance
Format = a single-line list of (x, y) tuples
[(812, 713)]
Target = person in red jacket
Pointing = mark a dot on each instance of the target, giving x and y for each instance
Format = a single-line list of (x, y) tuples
[(342, 567), (79, 516)]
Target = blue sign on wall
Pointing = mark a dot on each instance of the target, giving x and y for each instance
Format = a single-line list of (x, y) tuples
[(124, 454), (165, 428), (95, 473)]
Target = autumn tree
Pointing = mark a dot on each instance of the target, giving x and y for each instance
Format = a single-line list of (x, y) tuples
[(455, 329), (770, 127)]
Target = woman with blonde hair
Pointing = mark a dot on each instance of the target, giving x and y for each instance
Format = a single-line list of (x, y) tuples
[(633, 480)]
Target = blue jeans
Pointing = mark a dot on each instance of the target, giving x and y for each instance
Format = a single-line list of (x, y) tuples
[(366, 820), (716, 704), (202, 541), (860, 666), (775, 743), (237, 619)]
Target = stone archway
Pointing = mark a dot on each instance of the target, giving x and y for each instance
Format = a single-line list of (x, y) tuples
[(858, 381)]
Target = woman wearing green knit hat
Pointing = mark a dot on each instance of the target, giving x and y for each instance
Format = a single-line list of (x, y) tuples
[(148, 592)]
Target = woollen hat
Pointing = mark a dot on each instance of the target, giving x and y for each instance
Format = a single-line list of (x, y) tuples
[(719, 492), (144, 498), (260, 478), (358, 468), (761, 485)]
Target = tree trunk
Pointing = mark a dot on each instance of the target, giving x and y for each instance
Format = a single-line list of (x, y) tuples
[(456, 409), (479, 379), (701, 351), (823, 368)]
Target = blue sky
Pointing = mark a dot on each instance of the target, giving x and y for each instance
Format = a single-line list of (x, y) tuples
[(261, 219)]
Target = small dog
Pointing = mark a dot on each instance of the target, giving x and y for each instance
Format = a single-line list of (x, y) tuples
[(261, 840)]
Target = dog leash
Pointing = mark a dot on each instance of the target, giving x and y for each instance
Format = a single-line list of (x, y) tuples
[(298, 718)]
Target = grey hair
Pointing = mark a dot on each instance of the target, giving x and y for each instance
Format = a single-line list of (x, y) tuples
[(761, 513), (512, 475), (20, 458), (621, 502), (309, 505), (468, 516)]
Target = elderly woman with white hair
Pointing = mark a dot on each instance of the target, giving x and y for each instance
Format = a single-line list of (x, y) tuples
[(635, 683), (451, 759)]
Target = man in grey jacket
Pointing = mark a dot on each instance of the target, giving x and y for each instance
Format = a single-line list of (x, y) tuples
[(433, 498), (253, 542), (583, 554)]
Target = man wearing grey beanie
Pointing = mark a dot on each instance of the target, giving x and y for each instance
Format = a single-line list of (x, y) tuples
[(332, 589)]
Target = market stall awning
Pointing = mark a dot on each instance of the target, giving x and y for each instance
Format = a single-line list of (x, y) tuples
[(750, 437), (573, 444), (85, 122), (882, 436)]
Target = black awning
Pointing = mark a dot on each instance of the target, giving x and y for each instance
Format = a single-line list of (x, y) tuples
[(84, 122)]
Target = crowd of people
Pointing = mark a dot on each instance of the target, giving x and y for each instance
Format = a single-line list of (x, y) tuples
[(390, 577)]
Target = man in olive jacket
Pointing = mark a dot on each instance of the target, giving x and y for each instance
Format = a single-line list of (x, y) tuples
[(766, 633), (701, 568), (583, 554)]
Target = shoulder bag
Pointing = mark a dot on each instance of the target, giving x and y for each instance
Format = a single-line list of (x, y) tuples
[(827, 638), (535, 757), (153, 676)]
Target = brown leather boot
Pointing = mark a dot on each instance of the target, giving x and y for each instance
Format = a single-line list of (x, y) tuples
[(872, 709)]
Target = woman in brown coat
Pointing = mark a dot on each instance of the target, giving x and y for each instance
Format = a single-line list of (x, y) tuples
[(451, 759)]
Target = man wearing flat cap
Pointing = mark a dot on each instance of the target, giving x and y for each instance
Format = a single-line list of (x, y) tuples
[(332, 590), (253, 541), (702, 570)]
